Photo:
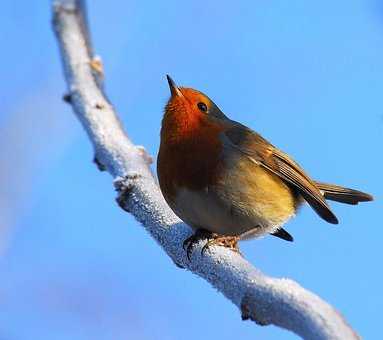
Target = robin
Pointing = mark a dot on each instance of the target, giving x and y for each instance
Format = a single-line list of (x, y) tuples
[(229, 183)]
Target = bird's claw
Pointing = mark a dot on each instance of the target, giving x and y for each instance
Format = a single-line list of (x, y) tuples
[(213, 239), (230, 242), (191, 241)]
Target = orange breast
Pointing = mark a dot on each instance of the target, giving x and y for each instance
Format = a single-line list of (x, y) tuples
[(188, 158)]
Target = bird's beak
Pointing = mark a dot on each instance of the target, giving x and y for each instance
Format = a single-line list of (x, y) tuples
[(175, 91)]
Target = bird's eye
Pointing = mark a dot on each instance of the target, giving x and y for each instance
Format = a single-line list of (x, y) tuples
[(202, 107)]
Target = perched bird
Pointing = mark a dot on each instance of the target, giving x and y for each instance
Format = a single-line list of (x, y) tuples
[(226, 181)]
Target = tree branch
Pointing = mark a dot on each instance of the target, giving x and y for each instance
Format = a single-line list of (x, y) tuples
[(265, 300)]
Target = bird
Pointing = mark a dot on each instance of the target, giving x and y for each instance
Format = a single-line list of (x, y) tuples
[(228, 182)]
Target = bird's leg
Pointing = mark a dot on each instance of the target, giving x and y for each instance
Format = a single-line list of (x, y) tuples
[(190, 242), (213, 239), (230, 242)]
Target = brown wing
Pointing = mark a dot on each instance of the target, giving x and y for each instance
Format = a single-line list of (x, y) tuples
[(265, 154)]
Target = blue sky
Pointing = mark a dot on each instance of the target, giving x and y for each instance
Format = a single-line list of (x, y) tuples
[(307, 75)]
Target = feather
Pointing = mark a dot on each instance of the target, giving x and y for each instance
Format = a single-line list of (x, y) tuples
[(344, 195), (283, 234), (265, 154)]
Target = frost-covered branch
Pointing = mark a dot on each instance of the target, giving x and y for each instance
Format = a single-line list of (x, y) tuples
[(265, 300)]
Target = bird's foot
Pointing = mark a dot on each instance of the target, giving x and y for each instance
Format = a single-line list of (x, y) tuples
[(230, 242), (190, 242), (213, 239)]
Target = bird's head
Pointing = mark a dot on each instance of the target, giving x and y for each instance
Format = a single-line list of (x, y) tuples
[(189, 110)]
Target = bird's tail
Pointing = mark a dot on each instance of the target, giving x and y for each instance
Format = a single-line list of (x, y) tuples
[(343, 195)]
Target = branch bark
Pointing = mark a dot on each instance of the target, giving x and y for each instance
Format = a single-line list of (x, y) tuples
[(263, 299)]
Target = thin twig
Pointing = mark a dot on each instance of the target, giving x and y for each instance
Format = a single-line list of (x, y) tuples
[(265, 300)]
